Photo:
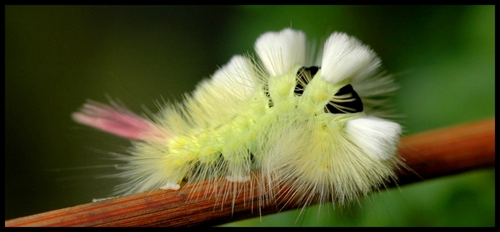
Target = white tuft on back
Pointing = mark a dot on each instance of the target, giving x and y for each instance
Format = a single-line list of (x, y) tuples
[(280, 51), (236, 77), (346, 57), (375, 136)]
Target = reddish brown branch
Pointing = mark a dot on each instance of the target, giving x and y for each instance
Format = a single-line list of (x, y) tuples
[(430, 154), (448, 151)]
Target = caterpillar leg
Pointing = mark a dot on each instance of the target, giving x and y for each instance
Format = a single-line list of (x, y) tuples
[(171, 186)]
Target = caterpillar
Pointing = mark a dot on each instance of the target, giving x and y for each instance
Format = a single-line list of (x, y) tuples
[(319, 128)]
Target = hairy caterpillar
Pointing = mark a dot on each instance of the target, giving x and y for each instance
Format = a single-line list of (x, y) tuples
[(318, 130)]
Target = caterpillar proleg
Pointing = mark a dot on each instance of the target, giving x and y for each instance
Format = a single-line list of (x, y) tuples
[(318, 130)]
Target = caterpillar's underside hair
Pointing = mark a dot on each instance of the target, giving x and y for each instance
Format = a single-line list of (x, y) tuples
[(320, 131)]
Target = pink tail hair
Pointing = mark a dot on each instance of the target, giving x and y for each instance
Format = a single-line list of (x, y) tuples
[(120, 121)]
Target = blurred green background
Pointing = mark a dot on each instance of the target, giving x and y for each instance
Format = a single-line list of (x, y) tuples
[(57, 57)]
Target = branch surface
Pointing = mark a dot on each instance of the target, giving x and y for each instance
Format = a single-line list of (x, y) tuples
[(429, 155)]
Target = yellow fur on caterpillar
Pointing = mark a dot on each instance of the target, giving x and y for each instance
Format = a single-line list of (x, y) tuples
[(315, 128)]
